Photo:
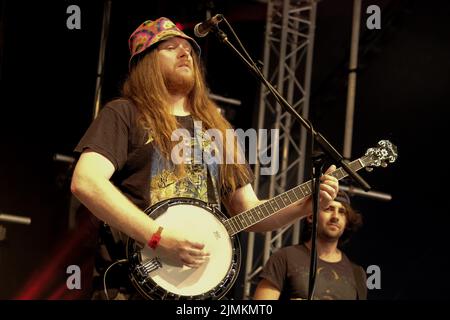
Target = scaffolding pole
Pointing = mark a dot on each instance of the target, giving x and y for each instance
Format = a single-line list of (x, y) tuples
[(101, 57), (351, 90)]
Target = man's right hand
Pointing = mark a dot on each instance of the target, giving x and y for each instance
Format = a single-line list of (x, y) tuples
[(181, 250)]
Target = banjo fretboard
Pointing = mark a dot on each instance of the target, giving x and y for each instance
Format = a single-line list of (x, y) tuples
[(250, 217)]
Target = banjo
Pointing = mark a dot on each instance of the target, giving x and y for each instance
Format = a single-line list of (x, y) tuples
[(157, 277)]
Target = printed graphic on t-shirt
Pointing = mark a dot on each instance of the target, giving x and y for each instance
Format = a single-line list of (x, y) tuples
[(165, 184), (331, 283)]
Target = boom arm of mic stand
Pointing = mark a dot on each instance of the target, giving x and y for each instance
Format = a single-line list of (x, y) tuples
[(324, 144)]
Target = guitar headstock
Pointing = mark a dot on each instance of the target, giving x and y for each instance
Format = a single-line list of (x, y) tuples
[(385, 153)]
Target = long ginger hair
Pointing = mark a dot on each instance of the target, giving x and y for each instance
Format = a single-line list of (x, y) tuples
[(146, 88)]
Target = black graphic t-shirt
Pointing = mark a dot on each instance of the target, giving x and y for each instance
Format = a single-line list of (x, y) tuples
[(142, 173), (288, 270)]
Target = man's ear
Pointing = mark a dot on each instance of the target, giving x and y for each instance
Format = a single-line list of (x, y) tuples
[(309, 218)]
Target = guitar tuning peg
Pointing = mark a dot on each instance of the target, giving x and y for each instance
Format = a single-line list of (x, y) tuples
[(369, 169)]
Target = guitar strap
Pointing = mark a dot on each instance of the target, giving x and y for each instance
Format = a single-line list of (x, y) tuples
[(213, 175), (211, 164)]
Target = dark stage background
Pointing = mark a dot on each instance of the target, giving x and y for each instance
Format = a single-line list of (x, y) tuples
[(403, 91)]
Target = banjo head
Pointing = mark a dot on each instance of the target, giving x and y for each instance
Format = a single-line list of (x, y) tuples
[(157, 276)]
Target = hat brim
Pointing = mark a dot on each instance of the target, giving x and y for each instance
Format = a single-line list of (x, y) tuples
[(168, 34)]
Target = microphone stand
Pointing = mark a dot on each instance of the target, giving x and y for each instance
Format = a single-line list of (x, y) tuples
[(318, 162), (328, 149), (320, 139)]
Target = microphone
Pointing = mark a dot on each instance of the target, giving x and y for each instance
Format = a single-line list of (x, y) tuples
[(203, 28)]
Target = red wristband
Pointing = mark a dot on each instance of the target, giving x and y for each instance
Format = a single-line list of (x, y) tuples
[(154, 240)]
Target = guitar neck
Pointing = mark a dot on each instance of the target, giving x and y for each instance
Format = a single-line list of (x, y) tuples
[(250, 217)]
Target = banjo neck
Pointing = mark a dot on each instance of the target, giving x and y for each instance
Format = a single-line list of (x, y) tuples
[(252, 216)]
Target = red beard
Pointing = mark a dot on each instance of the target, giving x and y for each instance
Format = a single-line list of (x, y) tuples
[(179, 83)]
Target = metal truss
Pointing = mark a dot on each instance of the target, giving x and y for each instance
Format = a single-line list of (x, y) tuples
[(288, 53)]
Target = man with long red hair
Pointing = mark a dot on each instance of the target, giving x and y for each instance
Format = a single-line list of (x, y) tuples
[(126, 162)]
